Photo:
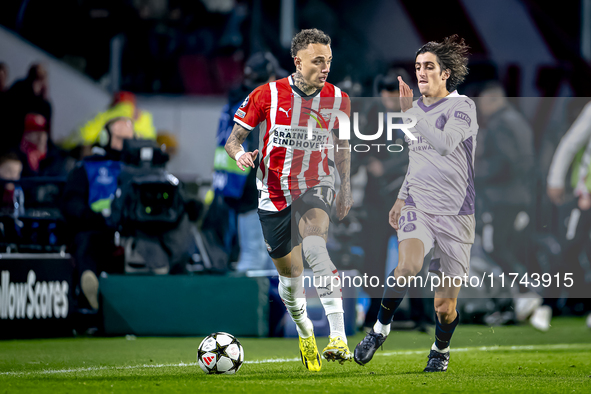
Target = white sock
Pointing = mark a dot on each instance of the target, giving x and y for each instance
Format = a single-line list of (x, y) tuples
[(305, 328), (326, 277), (292, 294), (434, 347), (381, 328), (336, 321)]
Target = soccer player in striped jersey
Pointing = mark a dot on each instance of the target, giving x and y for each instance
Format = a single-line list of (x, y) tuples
[(295, 181), (435, 205)]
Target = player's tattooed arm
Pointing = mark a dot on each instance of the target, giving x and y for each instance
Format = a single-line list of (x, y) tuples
[(343, 163), (301, 84), (234, 146), (235, 140)]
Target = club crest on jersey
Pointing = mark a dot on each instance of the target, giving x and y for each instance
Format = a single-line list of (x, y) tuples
[(440, 122), (321, 120), (409, 227), (245, 102)]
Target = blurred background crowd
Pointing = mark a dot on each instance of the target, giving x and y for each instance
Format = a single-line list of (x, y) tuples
[(87, 171)]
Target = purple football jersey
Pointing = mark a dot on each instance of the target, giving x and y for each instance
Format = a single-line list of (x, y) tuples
[(440, 177)]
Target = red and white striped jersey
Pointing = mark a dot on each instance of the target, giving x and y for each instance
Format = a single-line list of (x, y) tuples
[(290, 163)]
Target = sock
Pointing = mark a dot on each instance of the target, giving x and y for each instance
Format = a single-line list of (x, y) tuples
[(327, 283), (434, 347), (336, 321), (292, 294), (305, 329), (391, 299), (380, 328), (443, 332)]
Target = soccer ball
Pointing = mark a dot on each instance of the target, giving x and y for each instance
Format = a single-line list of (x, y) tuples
[(220, 353)]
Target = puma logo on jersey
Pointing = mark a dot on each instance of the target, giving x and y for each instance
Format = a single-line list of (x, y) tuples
[(286, 112)]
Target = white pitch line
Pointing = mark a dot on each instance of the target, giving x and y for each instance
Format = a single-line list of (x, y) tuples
[(496, 348), (92, 369), (273, 360), (283, 360)]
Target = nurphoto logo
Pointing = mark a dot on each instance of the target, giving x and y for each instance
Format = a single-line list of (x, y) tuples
[(320, 120)]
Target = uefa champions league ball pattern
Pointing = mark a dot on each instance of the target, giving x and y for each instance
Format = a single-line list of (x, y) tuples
[(220, 353)]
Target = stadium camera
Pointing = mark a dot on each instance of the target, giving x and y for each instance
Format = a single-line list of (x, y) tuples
[(141, 153)]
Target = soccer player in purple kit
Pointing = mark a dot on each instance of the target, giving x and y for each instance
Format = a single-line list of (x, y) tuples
[(435, 205)]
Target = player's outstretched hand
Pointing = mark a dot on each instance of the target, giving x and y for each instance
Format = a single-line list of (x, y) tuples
[(344, 204), (406, 95), (395, 213), (556, 194), (585, 202), (247, 160)]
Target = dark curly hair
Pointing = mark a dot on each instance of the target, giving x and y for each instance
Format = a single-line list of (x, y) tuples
[(307, 37), (452, 54)]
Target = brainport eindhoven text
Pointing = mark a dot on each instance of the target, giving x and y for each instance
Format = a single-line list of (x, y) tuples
[(317, 137), (298, 140)]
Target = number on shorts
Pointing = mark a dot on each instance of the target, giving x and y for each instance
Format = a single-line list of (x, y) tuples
[(412, 216), (329, 195)]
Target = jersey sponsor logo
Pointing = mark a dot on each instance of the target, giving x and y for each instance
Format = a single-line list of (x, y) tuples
[(240, 113), (463, 116), (409, 227), (245, 102), (286, 112), (420, 144), (297, 138)]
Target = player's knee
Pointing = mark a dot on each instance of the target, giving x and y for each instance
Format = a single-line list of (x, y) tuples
[(313, 230), (446, 311), (288, 268), (290, 272), (408, 271)]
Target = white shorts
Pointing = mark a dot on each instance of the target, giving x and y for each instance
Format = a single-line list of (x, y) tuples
[(452, 237)]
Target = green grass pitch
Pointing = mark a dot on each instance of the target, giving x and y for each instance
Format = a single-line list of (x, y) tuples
[(483, 359)]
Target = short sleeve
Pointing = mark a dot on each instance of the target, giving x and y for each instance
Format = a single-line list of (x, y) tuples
[(251, 112)]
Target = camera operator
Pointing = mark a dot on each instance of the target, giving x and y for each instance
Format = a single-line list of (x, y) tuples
[(87, 198), (239, 190)]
